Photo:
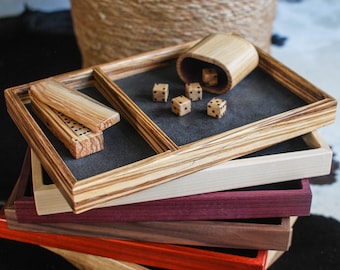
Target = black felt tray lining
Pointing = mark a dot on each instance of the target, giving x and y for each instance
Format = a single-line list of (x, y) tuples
[(122, 146), (256, 97)]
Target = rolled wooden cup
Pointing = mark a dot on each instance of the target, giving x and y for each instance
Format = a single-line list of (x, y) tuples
[(230, 55)]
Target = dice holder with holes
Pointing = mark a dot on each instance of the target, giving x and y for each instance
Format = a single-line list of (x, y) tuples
[(78, 139)]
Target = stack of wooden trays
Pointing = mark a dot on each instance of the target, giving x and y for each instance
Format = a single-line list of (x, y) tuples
[(189, 192)]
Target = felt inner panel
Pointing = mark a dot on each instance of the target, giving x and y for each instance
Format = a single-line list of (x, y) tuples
[(256, 97), (122, 146)]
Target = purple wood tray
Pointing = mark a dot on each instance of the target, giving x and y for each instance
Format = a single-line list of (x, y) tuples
[(292, 198)]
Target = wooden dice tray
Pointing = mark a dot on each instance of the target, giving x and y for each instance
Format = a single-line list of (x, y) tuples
[(153, 156)]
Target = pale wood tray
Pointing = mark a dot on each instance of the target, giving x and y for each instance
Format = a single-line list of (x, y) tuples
[(244, 172), (163, 159), (274, 200)]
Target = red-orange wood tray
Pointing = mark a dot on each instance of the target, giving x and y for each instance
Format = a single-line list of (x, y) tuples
[(157, 255)]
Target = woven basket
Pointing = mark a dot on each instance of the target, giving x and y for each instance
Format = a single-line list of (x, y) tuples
[(111, 29)]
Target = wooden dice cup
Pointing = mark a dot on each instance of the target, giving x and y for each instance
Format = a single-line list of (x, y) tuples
[(230, 55)]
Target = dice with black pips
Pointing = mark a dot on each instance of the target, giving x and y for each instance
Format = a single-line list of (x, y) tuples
[(181, 105), (209, 76), (160, 92), (193, 91), (217, 107)]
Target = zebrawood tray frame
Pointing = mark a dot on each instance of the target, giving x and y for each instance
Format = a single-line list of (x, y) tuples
[(171, 161), (259, 202)]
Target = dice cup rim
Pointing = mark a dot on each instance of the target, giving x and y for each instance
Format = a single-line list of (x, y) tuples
[(229, 54)]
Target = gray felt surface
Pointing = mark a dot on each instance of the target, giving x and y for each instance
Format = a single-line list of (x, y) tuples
[(258, 96)]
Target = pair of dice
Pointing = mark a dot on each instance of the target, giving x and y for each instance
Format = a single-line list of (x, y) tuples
[(181, 105), (160, 92)]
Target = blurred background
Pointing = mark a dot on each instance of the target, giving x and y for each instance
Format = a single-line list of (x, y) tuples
[(40, 39), (305, 37)]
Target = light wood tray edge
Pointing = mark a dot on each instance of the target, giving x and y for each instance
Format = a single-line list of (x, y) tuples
[(241, 173)]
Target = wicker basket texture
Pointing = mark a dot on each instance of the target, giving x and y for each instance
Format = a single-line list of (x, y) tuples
[(107, 30)]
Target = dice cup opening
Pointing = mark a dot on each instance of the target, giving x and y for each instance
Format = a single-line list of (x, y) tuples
[(229, 54), (191, 70)]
